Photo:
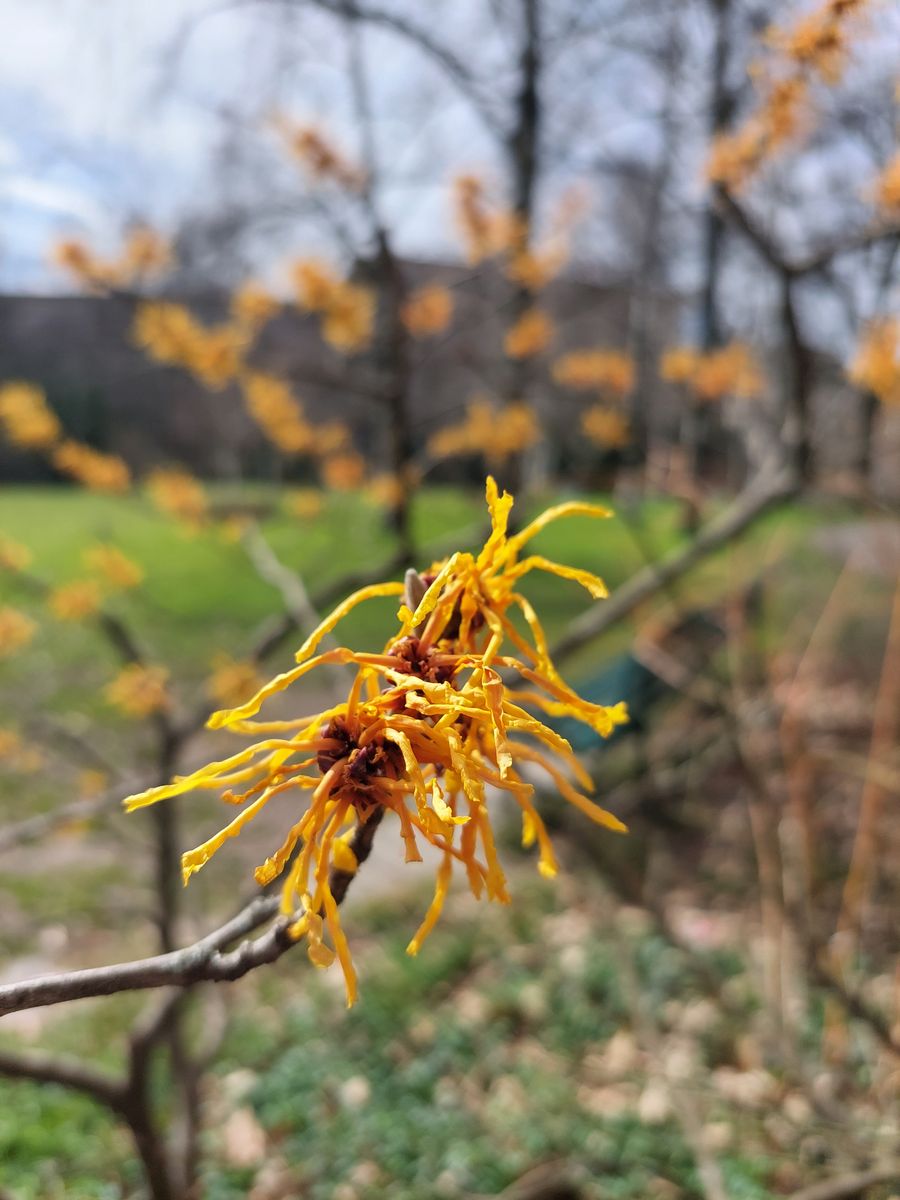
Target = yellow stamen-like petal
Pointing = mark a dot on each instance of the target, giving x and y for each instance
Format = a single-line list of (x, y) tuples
[(442, 886), (536, 562), (571, 508)]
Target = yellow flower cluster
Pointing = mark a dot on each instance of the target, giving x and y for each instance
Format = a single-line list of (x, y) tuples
[(278, 414), (531, 334), (596, 370), (29, 423), (76, 600), (428, 311), (534, 269), (17, 755), (387, 490), (818, 41), (735, 157), (27, 420), (176, 492), (477, 223), (323, 161), (876, 366), (428, 726), (95, 470), (139, 690), (731, 370), (144, 254), (252, 306), (116, 569), (232, 681), (344, 471), (496, 434), (347, 310), (172, 335), (887, 188), (305, 503), (488, 231), (13, 555), (333, 437), (16, 631), (92, 782), (605, 427), (817, 45)]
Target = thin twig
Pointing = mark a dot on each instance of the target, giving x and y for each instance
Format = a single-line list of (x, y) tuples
[(206, 961), (736, 520)]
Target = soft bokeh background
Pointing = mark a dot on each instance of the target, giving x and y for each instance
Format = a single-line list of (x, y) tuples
[(650, 278)]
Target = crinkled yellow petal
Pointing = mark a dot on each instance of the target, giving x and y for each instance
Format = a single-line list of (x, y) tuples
[(432, 594), (492, 688), (571, 508), (341, 945), (442, 886), (193, 860), (537, 562), (499, 509), (442, 808), (232, 716), (600, 815), (372, 592), (201, 778)]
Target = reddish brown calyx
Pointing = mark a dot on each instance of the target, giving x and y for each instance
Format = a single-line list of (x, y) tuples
[(359, 767), (430, 664)]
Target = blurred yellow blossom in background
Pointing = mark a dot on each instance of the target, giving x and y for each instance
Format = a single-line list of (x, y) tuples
[(252, 306), (596, 370), (278, 413), (233, 681), (530, 335), (16, 630), (887, 187), (730, 370), (876, 365), (314, 283), (428, 310), (605, 427), (76, 600), (311, 147), (344, 472), (305, 503), (95, 470), (349, 318), (92, 782), (16, 754), (176, 492), (26, 418), (492, 432), (170, 334), (139, 690), (116, 568), (679, 364), (13, 555)]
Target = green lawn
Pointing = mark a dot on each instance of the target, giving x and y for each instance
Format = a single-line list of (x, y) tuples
[(201, 595)]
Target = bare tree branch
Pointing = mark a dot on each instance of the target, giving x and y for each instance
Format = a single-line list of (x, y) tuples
[(54, 1068), (654, 578), (206, 961)]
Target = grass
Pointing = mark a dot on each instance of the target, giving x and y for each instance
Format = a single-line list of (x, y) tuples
[(200, 596)]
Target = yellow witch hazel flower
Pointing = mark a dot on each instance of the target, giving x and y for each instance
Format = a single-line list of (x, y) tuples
[(16, 631), (429, 725)]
